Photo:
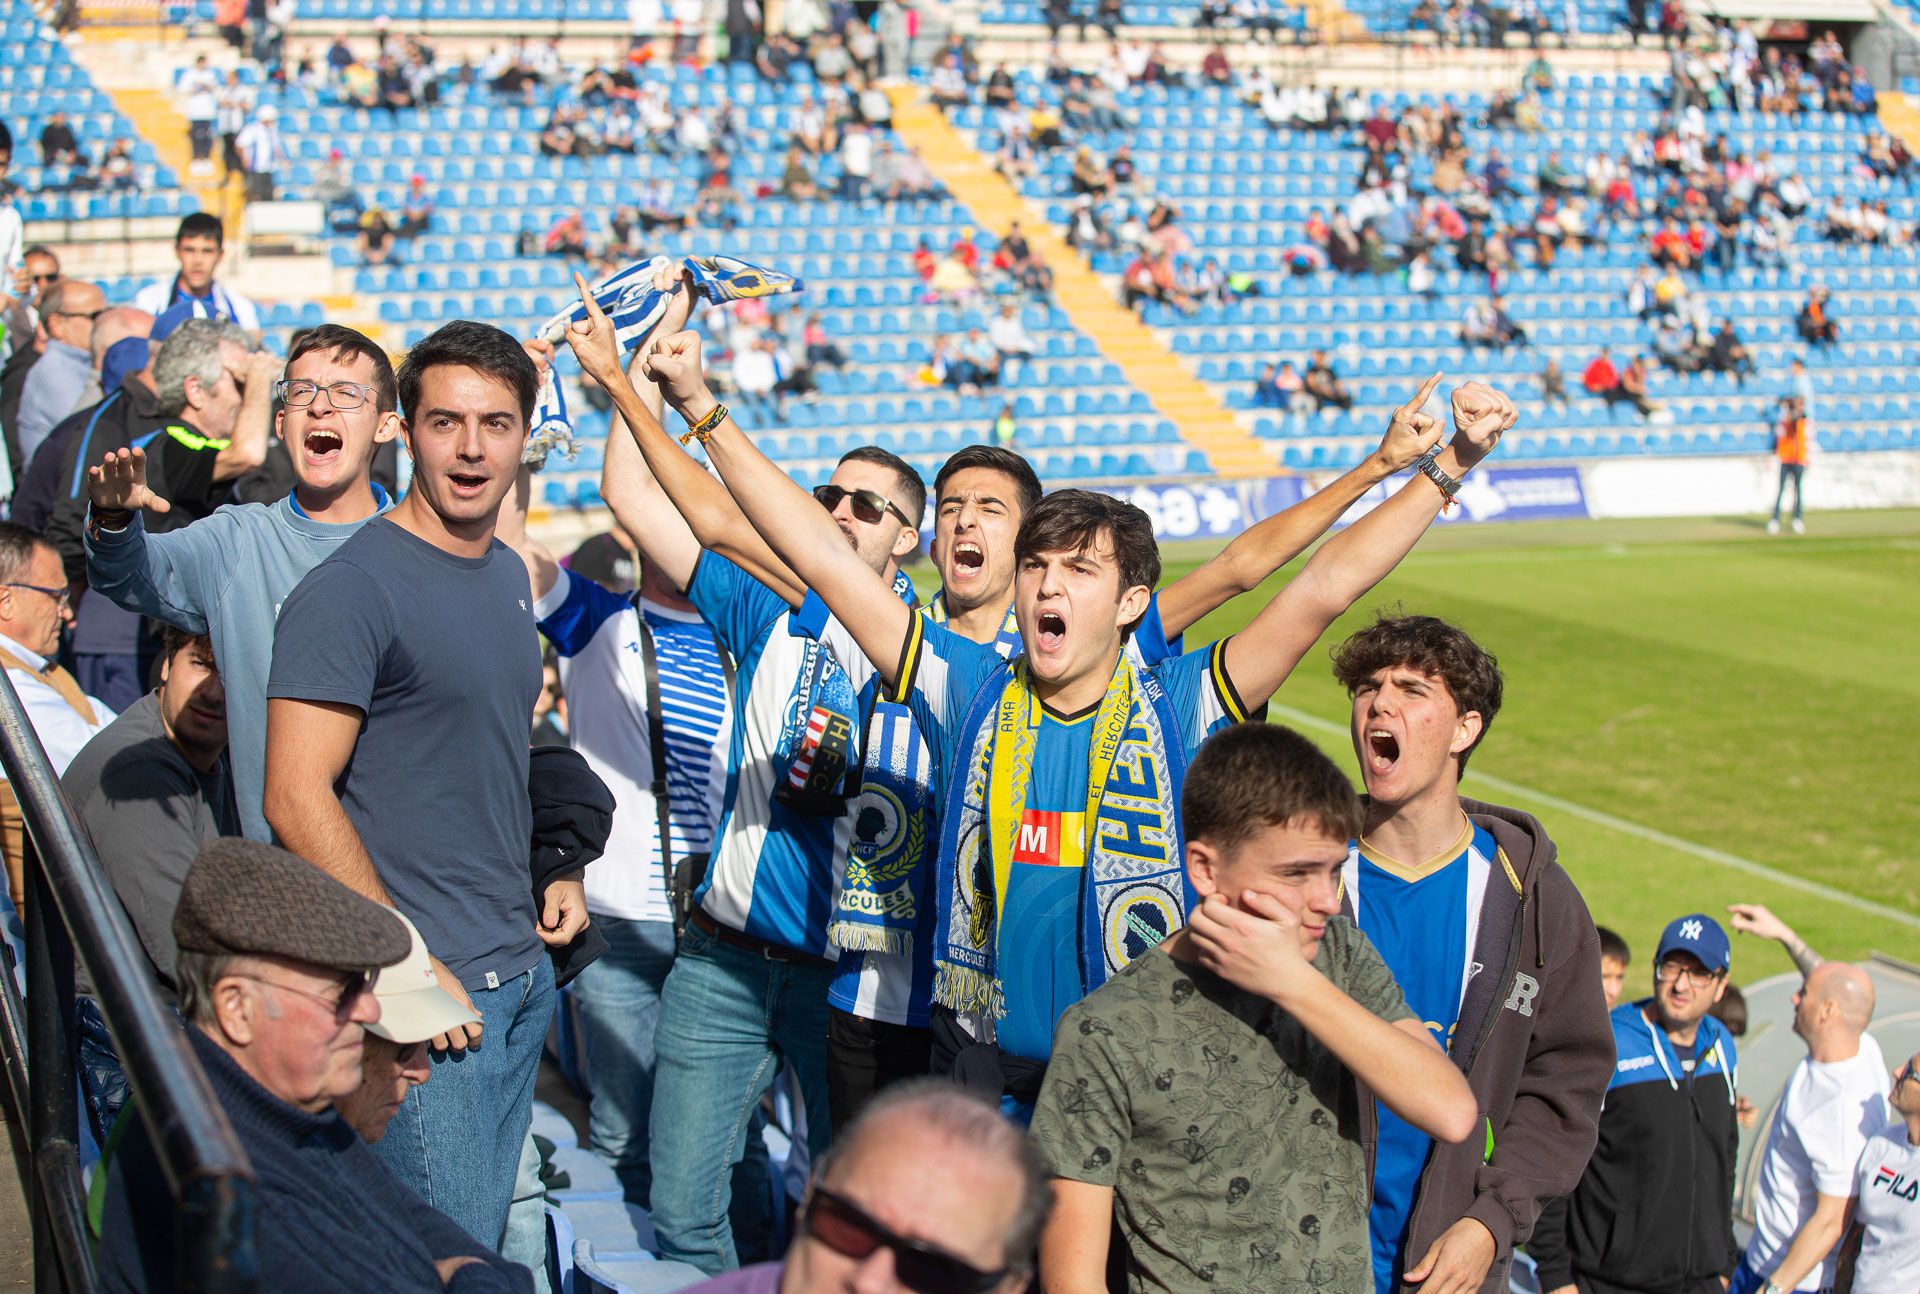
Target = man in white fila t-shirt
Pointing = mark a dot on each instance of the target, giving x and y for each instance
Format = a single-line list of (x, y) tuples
[(1886, 1210), (1834, 1101)]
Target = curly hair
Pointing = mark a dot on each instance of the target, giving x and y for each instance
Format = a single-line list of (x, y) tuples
[(1430, 646)]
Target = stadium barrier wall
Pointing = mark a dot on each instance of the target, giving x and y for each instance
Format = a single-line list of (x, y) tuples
[(1740, 485)]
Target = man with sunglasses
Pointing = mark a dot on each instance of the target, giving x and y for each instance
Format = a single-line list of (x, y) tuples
[(930, 1191), (1654, 1209), (275, 965), (227, 574), (57, 379)]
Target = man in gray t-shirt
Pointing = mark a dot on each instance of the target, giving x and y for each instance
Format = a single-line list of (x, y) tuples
[(405, 668), (1207, 1097)]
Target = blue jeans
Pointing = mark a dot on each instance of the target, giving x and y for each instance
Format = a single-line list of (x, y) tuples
[(1795, 472), (728, 1017), (619, 997), (456, 1139)]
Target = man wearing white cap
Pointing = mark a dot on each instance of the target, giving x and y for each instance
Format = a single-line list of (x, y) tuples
[(413, 1009)]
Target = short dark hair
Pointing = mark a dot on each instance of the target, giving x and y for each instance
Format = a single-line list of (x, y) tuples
[(992, 458), (1731, 1010), (913, 489), (16, 549), (1072, 521), (174, 640), (1257, 775), (1613, 948), (6, 139), (200, 225), (342, 344), (465, 343), (1433, 647)]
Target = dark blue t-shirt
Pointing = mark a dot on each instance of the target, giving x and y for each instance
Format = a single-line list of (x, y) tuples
[(439, 652)]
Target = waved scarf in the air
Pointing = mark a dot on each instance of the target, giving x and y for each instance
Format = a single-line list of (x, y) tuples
[(1134, 892), (634, 305)]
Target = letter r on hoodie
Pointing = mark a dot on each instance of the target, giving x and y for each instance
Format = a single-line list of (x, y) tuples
[(1525, 989)]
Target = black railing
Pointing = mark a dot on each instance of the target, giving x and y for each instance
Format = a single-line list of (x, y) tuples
[(70, 908)]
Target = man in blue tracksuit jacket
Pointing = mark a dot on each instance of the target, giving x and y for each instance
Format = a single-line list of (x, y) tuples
[(1654, 1212)]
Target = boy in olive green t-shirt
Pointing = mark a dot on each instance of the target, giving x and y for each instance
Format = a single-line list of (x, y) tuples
[(1206, 1096)]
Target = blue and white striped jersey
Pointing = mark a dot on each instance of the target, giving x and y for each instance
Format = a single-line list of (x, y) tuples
[(603, 673), (774, 864)]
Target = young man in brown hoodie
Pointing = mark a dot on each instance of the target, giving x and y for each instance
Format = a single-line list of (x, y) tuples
[(1496, 952)]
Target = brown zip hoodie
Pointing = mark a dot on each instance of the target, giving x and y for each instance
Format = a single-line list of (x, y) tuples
[(1536, 1046)]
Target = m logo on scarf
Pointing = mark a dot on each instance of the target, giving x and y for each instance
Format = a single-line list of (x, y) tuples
[(1134, 889)]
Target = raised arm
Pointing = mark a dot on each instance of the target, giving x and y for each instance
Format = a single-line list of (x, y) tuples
[(661, 477), (1756, 919), (1259, 658), (1260, 551), (247, 448), (801, 532)]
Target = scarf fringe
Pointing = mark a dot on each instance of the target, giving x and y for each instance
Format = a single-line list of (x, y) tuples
[(861, 937), (962, 988)]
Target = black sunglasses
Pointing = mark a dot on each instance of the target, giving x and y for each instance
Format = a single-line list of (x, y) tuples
[(849, 1231), (869, 506)]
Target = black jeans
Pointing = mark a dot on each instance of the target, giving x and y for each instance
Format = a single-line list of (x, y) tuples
[(865, 1057)]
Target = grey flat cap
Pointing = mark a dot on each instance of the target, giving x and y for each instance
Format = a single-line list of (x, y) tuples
[(242, 897)]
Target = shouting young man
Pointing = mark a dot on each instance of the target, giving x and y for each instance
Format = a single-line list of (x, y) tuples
[(1059, 852), (1495, 949)]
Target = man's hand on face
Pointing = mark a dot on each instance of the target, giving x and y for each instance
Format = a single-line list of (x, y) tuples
[(260, 372), (461, 1036), (119, 484), (1257, 950), (1458, 1262), (1412, 432)]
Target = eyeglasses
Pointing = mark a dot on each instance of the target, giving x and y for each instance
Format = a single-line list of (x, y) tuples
[(298, 393), (342, 1001), (62, 595), (869, 506), (79, 314), (1667, 972), (849, 1231), (44, 279)]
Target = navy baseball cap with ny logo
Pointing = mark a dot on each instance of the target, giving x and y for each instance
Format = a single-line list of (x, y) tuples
[(1700, 935)]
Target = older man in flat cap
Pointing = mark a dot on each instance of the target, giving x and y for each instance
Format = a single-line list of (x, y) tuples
[(274, 973)]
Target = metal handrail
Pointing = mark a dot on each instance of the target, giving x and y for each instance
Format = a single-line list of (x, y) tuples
[(206, 1170)]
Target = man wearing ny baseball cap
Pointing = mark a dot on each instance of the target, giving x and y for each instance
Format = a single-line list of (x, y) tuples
[(1654, 1211), (275, 963), (413, 1009)]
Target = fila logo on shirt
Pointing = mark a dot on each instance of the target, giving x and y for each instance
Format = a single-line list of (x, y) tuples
[(1898, 1185)]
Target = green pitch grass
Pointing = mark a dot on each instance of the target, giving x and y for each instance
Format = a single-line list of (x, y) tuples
[(1754, 696)]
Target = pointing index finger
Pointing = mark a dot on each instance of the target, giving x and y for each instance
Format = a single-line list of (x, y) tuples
[(1419, 401), (594, 312)]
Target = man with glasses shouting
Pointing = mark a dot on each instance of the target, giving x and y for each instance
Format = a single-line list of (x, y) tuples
[(275, 968), (1654, 1210), (929, 1191), (227, 574)]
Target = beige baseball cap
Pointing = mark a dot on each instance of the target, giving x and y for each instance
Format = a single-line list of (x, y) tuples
[(413, 1006)]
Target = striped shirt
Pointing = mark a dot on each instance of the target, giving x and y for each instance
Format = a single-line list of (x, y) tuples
[(603, 674), (773, 870)]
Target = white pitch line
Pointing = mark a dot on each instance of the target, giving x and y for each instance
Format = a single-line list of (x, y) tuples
[(1626, 827)]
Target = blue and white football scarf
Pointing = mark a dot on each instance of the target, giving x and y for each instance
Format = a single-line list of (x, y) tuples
[(634, 305)]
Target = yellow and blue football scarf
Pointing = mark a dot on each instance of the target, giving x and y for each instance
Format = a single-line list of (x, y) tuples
[(1133, 890)]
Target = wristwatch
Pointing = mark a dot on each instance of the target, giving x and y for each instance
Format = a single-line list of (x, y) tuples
[(1449, 485)]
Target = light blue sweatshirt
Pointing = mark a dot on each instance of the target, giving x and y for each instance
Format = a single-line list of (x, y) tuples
[(226, 576)]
